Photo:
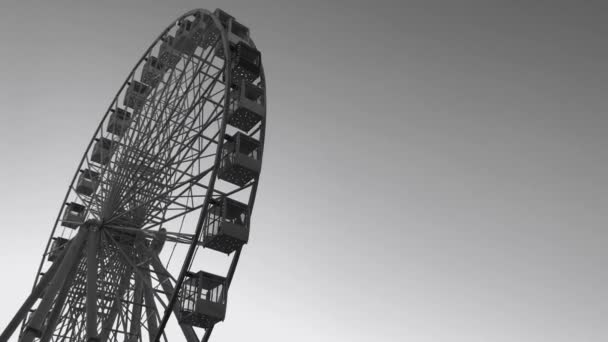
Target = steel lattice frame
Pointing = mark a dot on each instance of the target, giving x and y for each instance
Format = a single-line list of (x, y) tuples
[(116, 278)]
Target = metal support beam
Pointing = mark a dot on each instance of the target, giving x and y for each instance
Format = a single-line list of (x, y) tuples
[(55, 315), (165, 282), (135, 328), (30, 300), (91, 305), (35, 325), (109, 322), (207, 334), (150, 307)]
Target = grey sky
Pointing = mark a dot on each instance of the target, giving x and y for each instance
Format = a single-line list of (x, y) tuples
[(434, 170)]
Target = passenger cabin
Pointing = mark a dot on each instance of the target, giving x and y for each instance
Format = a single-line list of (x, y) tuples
[(223, 17), (73, 215), (136, 95), (227, 225), (88, 181), (246, 63), (212, 32), (206, 34), (183, 37), (247, 107), (102, 151), (57, 247), (119, 121), (240, 159), (202, 299), (152, 72), (168, 55), (236, 33)]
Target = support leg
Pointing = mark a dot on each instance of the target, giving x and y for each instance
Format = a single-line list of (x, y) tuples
[(111, 318), (150, 308), (207, 334), (34, 327), (135, 329), (165, 282), (29, 301), (91, 306), (56, 313)]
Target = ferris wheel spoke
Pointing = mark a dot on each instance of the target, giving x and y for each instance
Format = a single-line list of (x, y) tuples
[(162, 273), (111, 291), (171, 114), (153, 183), (168, 88), (181, 149), (68, 322), (122, 320), (132, 135), (151, 313), (171, 237), (211, 65), (191, 164), (138, 295), (165, 103), (175, 140), (115, 308), (186, 186), (35, 325), (161, 195), (193, 158), (138, 272), (168, 175), (115, 278), (181, 212), (186, 168), (31, 299), (139, 302)]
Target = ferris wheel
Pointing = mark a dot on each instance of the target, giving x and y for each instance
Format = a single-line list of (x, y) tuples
[(167, 183)]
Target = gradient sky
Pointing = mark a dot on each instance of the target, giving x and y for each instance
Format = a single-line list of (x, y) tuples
[(433, 171)]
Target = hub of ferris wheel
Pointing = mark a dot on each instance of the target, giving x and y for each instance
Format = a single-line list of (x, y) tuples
[(170, 174)]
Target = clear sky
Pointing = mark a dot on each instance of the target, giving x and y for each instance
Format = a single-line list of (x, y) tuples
[(433, 170)]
